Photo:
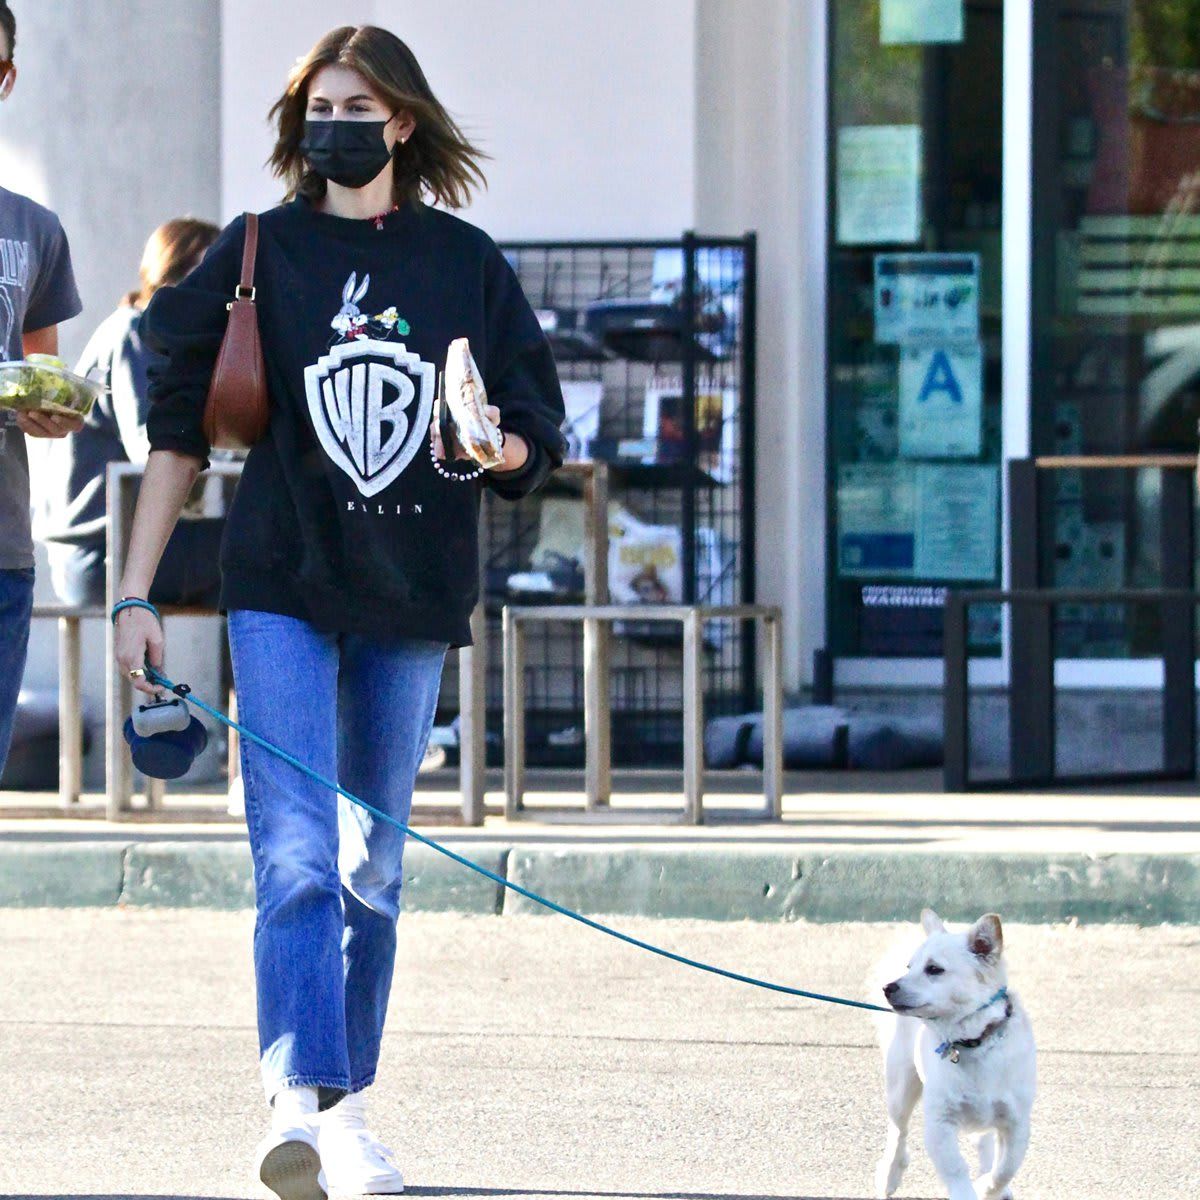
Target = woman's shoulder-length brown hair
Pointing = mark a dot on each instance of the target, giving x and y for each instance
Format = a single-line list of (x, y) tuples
[(437, 159), (172, 250)]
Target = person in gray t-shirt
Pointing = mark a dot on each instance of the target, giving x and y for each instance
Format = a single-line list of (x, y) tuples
[(37, 293)]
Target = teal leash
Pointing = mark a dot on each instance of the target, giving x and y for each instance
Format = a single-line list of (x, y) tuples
[(184, 692)]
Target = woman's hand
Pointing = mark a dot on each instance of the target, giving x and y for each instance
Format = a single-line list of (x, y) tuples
[(139, 637), (515, 450), (491, 412)]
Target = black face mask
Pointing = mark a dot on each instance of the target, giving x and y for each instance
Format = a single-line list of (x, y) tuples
[(351, 153)]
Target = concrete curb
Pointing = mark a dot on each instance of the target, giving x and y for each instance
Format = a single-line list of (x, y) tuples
[(700, 882), (221, 876), (757, 885), (39, 875)]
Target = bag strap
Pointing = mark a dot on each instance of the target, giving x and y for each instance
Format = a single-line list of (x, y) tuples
[(249, 253)]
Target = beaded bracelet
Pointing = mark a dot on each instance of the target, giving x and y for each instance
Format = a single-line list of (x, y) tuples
[(456, 476), (134, 602)]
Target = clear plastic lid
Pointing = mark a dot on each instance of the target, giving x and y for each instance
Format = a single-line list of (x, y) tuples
[(42, 383)]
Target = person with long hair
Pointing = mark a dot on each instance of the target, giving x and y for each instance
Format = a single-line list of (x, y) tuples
[(350, 557), (115, 431)]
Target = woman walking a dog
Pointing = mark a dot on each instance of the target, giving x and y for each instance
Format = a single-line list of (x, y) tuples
[(349, 563)]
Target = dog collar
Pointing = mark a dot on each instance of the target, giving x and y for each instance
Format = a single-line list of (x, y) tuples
[(950, 1049)]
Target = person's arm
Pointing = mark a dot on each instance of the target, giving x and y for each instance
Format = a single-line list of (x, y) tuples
[(184, 325), (522, 383), (53, 298), (47, 425), (165, 488)]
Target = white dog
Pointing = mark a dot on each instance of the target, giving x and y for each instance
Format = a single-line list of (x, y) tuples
[(962, 1037)]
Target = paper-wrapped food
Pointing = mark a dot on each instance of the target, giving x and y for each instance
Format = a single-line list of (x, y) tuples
[(42, 383), (466, 399)]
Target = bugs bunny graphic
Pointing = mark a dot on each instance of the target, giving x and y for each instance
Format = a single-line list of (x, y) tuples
[(350, 322)]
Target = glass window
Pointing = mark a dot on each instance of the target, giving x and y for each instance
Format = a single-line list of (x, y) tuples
[(914, 319), (1116, 316)]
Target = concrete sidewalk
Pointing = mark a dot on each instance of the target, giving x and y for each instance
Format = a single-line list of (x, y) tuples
[(836, 856), (534, 1060)]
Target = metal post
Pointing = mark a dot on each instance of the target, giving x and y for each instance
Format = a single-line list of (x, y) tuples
[(233, 757), (822, 689), (472, 721), (597, 698), (1031, 678), (693, 720), (773, 716), (1178, 625), (954, 695), (155, 791), (748, 458), (689, 466), (514, 714), (70, 724)]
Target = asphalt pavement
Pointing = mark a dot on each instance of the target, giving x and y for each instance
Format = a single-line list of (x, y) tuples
[(532, 1058)]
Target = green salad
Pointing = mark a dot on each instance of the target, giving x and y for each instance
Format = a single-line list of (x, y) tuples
[(42, 383)]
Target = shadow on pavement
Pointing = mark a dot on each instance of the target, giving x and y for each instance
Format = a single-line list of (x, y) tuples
[(457, 1191), (454, 1191), (619, 1195)]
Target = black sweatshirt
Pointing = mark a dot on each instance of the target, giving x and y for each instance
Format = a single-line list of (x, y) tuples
[(340, 518)]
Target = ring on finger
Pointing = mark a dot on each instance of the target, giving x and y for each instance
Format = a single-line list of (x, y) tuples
[(137, 673)]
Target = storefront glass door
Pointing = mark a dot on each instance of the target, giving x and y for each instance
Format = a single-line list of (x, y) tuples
[(1116, 291), (914, 319)]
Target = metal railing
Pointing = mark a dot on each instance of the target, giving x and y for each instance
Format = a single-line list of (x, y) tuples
[(596, 717), (1032, 715)]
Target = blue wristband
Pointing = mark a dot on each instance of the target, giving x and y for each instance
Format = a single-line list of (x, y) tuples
[(132, 602)]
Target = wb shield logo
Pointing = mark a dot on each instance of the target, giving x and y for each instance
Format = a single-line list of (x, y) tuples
[(370, 403)]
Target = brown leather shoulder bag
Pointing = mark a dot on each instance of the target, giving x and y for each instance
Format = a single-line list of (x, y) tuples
[(237, 410)]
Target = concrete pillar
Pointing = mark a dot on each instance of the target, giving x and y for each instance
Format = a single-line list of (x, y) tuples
[(760, 164)]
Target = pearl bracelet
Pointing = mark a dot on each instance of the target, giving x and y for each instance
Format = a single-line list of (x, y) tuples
[(456, 476)]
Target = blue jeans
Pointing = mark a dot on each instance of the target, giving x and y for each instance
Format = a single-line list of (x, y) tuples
[(16, 609), (327, 874)]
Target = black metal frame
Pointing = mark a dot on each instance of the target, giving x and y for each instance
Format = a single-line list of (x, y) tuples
[(647, 672), (1034, 717), (934, 200), (1032, 634)]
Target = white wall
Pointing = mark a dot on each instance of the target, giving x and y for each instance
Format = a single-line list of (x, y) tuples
[(113, 124), (760, 84), (588, 109)]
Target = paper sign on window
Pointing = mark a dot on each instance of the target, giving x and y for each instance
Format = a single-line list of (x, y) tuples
[(878, 184), (941, 401), (908, 22)]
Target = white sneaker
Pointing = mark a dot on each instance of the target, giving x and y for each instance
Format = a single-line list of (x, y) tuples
[(289, 1163), (355, 1160)]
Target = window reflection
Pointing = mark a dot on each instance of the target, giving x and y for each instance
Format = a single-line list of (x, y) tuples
[(1117, 286)]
